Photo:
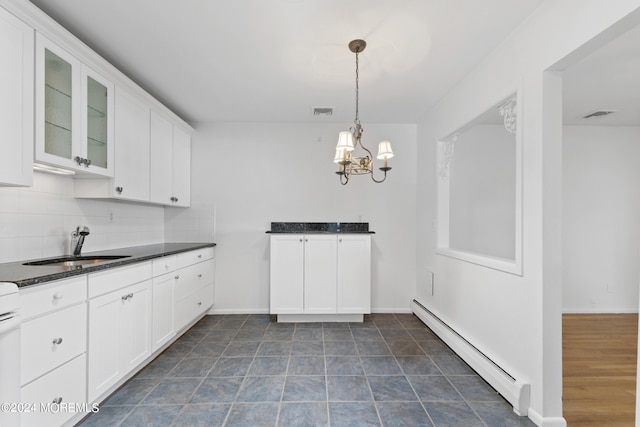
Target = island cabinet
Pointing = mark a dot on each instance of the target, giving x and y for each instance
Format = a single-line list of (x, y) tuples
[(16, 102), (320, 277)]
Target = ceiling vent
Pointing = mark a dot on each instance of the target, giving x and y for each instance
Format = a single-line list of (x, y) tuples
[(599, 113), (322, 111)]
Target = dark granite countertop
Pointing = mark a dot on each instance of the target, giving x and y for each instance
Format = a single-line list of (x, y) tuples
[(26, 275), (320, 227)]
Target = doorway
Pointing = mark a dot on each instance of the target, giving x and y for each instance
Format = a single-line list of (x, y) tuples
[(601, 234)]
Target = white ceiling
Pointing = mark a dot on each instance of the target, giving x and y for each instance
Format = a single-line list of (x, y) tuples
[(272, 60), (607, 79)]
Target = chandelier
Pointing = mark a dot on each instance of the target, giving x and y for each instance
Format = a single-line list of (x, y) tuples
[(352, 157)]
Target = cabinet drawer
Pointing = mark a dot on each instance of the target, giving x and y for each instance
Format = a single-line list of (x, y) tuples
[(164, 265), (111, 280), (193, 257), (192, 278), (65, 385), (37, 300), (192, 306), (49, 341)]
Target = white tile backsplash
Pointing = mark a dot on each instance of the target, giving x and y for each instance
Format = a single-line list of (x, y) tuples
[(36, 222)]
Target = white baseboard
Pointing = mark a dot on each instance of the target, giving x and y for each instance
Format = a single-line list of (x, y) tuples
[(382, 310), (215, 310), (591, 310), (546, 422), (238, 311)]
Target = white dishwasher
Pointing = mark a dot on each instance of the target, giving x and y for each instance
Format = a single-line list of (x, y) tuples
[(9, 355)]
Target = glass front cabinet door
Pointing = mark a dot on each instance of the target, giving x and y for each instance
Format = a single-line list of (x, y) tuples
[(74, 113)]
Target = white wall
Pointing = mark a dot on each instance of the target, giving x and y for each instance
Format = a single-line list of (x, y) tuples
[(601, 217), (246, 175), (37, 221), (516, 320)]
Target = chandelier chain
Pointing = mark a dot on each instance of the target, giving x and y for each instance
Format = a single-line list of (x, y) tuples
[(357, 120)]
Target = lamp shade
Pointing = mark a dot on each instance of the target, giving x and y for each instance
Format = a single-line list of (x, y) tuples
[(345, 141), (384, 150), (342, 156)]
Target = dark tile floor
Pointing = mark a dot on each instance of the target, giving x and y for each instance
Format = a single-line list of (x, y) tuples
[(244, 370)]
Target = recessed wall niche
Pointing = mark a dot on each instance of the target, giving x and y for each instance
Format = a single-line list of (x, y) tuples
[(479, 190)]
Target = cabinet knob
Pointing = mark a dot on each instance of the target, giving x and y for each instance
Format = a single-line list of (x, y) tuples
[(177, 277), (57, 400), (199, 276), (130, 295), (199, 302), (57, 341), (119, 190), (87, 162), (79, 160), (57, 296), (301, 240), (124, 297), (200, 256)]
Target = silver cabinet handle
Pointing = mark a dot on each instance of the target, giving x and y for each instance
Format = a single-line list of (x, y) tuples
[(57, 341), (57, 400)]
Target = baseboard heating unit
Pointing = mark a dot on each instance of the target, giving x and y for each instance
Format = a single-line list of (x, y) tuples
[(514, 391)]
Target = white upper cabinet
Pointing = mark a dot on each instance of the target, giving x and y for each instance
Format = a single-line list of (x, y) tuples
[(16, 102), (74, 112), (131, 180), (170, 163)]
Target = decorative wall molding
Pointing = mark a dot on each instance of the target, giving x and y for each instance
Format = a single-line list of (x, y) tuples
[(445, 154), (508, 112)]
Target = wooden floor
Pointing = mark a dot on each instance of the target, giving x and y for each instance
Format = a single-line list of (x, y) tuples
[(599, 369)]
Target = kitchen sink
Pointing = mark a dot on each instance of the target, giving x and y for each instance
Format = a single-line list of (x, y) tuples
[(76, 261)]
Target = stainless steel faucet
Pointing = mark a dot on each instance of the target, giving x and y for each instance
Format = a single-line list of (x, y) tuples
[(78, 239)]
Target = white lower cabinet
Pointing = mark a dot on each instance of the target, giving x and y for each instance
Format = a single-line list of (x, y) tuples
[(53, 349), (57, 396), (119, 335), (82, 337), (320, 274), (163, 309), (194, 286)]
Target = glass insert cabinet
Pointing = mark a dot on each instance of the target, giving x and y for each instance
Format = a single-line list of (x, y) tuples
[(74, 113)]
